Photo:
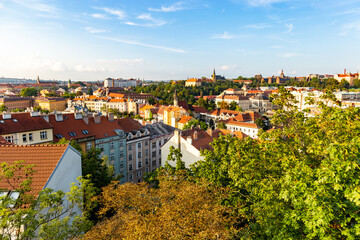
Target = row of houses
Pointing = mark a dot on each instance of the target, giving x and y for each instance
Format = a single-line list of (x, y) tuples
[(47, 103), (132, 149)]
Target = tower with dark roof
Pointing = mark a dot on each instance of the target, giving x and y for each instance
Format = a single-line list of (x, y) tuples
[(176, 100)]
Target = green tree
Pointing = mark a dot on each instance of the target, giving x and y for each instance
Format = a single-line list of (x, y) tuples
[(50, 215), (151, 101), (28, 92), (223, 105), (221, 125), (3, 108), (90, 91), (233, 105)]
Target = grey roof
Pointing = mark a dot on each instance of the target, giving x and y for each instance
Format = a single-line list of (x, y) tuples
[(260, 96), (159, 129)]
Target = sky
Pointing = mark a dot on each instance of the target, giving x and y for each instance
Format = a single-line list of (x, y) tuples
[(92, 40)]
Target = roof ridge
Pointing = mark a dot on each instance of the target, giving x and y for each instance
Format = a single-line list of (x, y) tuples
[(36, 145)]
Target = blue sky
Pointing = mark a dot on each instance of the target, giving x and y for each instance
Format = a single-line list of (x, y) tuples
[(163, 40)]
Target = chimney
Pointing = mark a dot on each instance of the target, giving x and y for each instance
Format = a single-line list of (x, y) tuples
[(195, 135), (34, 114), (345, 71), (111, 116), (113, 82), (59, 117), (97, 118), (78, 115), (86, 119), (6, 116), (189, 139)]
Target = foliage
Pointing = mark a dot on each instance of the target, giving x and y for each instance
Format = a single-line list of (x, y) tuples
[(298, 181), (195, 123), (27, 92), (69, 95), (221, 125), (16, 110), (90, 91), (223, 105), (178, 209), (233, 105), (47, 216), (3, 108), (151, 101), (74, 144)]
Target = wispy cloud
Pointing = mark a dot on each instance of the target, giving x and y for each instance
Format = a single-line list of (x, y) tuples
[(94, 30), (37, 5), (99, 16), (120, 14), (228, 67), (145, 45), (264, 3), (148, 21), (224, 35), (258, 25), (171, 8), (289, 27), (1, 5), (351, 27), (82, 68), (121, 61)]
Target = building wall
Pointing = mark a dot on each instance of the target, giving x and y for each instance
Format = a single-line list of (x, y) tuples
[(51, 105), (19, 104), (137, 165), (36, 136), (251, 132)]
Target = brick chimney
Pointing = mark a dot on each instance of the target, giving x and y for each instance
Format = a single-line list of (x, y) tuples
[(97, 118), (345, 71), (195, 135)]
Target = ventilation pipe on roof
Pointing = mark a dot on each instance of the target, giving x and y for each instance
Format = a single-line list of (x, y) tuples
[(195, 135), (111, 116), (78, 115), (6, 116), (97, 118), (59, 117), (34, 114)]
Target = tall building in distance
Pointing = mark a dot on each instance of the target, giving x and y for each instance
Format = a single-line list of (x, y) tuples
[(215, 77)]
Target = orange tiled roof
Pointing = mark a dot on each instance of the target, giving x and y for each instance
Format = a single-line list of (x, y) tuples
[(44, 157), (184, 119), (192, 80), (202, 141), (118, 100), (146, 107), (231, 121)]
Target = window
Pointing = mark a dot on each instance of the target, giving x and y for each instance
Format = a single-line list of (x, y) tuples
[(121, 165), (130, 147), (139, 174), (58, 136), (153, 154), (159, 151), (139, 145), (139, 164), (43, 135), (130, 176), (121, 154), (147, 170), (153, 145), (72, 134), (85, 132), (139, 154), (111, 145), (146, 161), (31, 137), (146, 152), (154, 163), (9, 139), (130, 167), (121, 144), (159, 143), (24, 138), (146, 143), (130, 157), (112, 157), (159, 161)]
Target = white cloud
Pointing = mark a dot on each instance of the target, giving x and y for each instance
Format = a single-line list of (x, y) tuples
[(94, 30), (37, 5), (99, 16), (225, 35), (258, 26), (121, 61), (149, 21), (82, 68), (1, 5), (228, 67), (144, 45), (120, 14), (351, 27), (289, 27), (172, 8), (263, 3), (40, 63)]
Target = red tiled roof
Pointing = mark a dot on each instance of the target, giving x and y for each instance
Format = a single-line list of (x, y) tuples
[(218, 112), (44, 157), (23, 123), (202, 141), (231, 121), (198, 109), (128, 124)]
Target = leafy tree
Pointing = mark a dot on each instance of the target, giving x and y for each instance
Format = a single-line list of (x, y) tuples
[(221, 125), (239, 108), (80, 83), (151, 101), (28, 92), (233, 105), (260, 123), (72, 143), (223, 105), (90, 91), (178, 209), (16, 110), (344, 84), (50, 215), (298, 181), (3, 108)]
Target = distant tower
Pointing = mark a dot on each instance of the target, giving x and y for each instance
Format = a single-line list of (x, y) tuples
[(282, 73), (176, 100), (69, 83), (213, 77), (38, 80)]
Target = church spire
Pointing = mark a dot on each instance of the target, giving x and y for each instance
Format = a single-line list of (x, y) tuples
[(176, 100)]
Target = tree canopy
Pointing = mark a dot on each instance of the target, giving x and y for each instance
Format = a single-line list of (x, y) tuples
[(27, 92)]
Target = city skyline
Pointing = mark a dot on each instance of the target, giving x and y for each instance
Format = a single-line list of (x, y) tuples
[(163, 40)]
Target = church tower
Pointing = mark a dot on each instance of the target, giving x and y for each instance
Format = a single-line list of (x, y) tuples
[(213, 77), (282, 73), (176, 100), (69, 84), (38, 80)]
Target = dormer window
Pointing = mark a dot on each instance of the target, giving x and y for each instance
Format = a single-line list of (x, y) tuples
[(138, 134)]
